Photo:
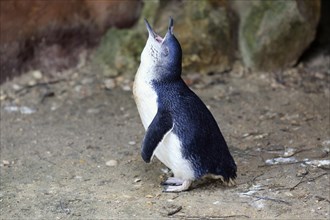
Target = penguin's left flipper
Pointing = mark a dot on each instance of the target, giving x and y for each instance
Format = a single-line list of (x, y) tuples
[(159, 126)]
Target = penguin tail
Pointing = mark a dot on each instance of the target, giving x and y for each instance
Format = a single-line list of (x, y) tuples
[(229, 174)]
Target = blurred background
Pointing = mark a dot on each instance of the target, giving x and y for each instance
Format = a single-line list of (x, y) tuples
[(216, 35)]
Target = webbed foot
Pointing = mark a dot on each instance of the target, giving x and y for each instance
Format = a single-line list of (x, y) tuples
[(178, 188), (172, 181)]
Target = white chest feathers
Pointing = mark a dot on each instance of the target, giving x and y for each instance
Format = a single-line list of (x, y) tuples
[(145, 97)]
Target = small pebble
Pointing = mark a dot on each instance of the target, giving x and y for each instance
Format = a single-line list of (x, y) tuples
[(302, 172), (32, 82), (109, 83), (326, 143), (289, 152), (120, 79), (11, 108), (3, 97), (319, 163), (111, 163), (37, 74), (172, 209), (246, 135), (78, 88), (93, 111), (5, 162), (137, 180), (132, 143), (288, 194), (149, 196), (260, 136), (16, 87), (165, 170), (87, 81), (126, 88), (27, 110)]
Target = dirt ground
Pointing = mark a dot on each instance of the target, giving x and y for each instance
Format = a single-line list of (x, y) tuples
[(70, 148)]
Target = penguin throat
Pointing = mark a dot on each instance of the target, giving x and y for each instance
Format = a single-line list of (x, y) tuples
[(158, 38)]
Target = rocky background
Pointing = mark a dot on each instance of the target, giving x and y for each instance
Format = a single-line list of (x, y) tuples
[(216, 35)]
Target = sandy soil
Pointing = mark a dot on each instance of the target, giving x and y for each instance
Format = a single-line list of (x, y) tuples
[(70, 148)]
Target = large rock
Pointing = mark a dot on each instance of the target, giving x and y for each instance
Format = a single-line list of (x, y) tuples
[(274, 34), (57, 27), (270, 35), (205, 31), (120, 49), (202, 27)]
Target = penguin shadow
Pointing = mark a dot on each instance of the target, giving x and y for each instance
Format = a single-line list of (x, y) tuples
[(206, 183)]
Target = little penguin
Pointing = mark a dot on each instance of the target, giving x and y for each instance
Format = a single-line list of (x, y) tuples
[(180, 130)]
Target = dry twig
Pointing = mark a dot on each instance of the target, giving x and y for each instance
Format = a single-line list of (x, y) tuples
[(307, 180)]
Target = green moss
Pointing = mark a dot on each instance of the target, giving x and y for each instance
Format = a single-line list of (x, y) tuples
[(120, 49)]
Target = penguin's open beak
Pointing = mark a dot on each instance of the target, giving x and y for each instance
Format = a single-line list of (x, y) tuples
[(158, 38), (170, 26)]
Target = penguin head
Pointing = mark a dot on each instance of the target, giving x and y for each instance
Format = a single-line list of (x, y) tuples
[(162, 56)]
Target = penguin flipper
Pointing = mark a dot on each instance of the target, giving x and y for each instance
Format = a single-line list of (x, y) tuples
[(155, 133)]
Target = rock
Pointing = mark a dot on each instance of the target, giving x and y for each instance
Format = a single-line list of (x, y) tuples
[(137, 180), (23, 109), (266, 35), (274, 34), (281, 160), (204, 31), (111, 163), (172, 209), (87, 81), (208, 48), (119, 52), (3, 97), (319, 163), (16, 87), (26, 110), (56, 28), (326, 143), (302, 172), (5, 162), (131, 142), (109, 83), (32, 82), (37, 74), (93, 111), (126, 88), (289, 152)]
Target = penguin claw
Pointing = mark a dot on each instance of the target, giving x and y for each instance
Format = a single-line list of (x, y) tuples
[(172, 181), (232, 182), (178, 188)]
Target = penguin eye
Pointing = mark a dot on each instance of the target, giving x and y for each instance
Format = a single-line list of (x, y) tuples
[(165, 52)]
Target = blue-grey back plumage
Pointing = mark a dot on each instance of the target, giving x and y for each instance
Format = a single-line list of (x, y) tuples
[(201, 138)]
